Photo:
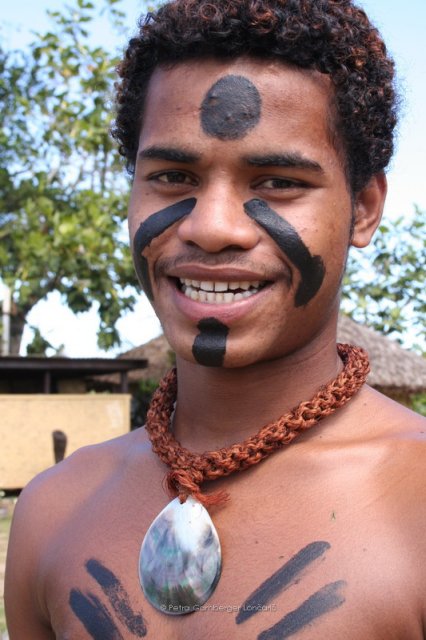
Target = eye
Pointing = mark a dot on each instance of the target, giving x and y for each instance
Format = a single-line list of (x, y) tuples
[(173, 177), (279, 183)]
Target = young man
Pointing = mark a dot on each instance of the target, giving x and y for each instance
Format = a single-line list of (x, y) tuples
[(258, 132)]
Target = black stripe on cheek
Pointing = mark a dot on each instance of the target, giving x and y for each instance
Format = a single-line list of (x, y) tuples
[(150, 229), (209, 347), (320, 603), (94, 616), (281, 579), (231, 108), (118, 598), (311, 268)]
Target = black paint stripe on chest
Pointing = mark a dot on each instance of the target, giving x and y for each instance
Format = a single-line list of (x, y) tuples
[(281, 579), (150, 229), (311, 268), (320, 603), (118, 597), (94, 615), (209, 346), (231, 108)]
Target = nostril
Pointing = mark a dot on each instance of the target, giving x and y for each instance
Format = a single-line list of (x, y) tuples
[(219, 223)]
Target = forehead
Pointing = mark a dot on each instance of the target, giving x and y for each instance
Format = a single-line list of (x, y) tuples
[(287, 101)]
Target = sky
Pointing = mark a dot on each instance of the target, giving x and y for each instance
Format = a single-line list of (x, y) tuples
[(402, 26)]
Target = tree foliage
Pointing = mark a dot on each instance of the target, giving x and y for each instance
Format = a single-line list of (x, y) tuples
[(39, 345), (62, 188), (419, 403), (385, 284), (63, 194)]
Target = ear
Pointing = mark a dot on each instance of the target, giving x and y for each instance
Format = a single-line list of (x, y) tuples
[(368, 210)]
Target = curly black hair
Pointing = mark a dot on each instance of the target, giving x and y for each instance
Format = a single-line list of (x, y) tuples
[(334, 37)]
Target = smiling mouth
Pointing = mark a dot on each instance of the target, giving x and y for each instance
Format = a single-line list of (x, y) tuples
[(219, 292)]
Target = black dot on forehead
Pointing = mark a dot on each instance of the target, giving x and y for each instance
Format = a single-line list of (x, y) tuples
[(231, 108)]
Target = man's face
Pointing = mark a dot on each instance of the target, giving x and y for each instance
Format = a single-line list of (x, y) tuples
[(240, 211)]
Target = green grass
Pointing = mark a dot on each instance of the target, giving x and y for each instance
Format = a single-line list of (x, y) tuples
[(2, 617), (5, 526), (4, 534)]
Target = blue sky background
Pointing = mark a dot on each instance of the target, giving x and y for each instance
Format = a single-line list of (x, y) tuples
[(403, 26)]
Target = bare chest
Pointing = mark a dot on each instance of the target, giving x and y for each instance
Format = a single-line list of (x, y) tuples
[(318, 567)]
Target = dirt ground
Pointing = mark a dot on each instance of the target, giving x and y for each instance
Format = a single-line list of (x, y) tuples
[(6, 510)]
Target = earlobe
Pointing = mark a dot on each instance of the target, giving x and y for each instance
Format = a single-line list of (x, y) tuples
[(368, 210)]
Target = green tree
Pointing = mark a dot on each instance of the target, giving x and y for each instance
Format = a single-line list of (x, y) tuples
[(39, 345), (63, 193), (385, 284)]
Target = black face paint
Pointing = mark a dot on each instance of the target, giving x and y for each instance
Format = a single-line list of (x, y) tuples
[(311, 268), (321, 602), (118, 597), (209, 347), (94, 616), (281, 579), (151, 228), (231, 108)]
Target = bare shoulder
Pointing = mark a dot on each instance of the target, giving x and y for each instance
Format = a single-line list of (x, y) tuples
[(403, 481), (390, 417), (45, 504), (54, 493), (84, 470), (400, 436), (401, 430), (391, 442)]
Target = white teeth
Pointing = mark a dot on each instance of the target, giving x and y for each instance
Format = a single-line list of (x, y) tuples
[(222, 286), (219, 292), (213, 297)]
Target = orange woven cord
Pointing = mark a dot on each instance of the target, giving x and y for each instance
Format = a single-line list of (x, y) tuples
[(189, 470)]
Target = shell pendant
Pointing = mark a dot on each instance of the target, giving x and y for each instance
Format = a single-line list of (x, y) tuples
[(180, 559)]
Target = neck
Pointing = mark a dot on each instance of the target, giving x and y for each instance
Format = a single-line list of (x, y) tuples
[(217, 407)]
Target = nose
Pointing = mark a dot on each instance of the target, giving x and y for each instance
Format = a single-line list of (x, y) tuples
[(218, 222)]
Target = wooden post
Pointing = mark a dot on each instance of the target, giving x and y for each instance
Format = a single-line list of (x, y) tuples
[(59, 445), (47, 379), (124, 385)]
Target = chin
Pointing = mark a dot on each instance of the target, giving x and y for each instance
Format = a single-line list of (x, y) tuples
[(235, 358)]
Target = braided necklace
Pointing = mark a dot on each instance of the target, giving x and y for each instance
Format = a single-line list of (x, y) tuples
[(180, 559)]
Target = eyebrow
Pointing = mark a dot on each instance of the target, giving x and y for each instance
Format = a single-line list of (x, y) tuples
[(175, 154), (171, 154), (292, 160)]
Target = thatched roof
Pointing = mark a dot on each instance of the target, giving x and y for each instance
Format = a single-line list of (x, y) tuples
[(160, 358), (392, 368)]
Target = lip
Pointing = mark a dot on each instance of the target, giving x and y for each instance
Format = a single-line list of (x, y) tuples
[(226, 312), (218, 274)]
